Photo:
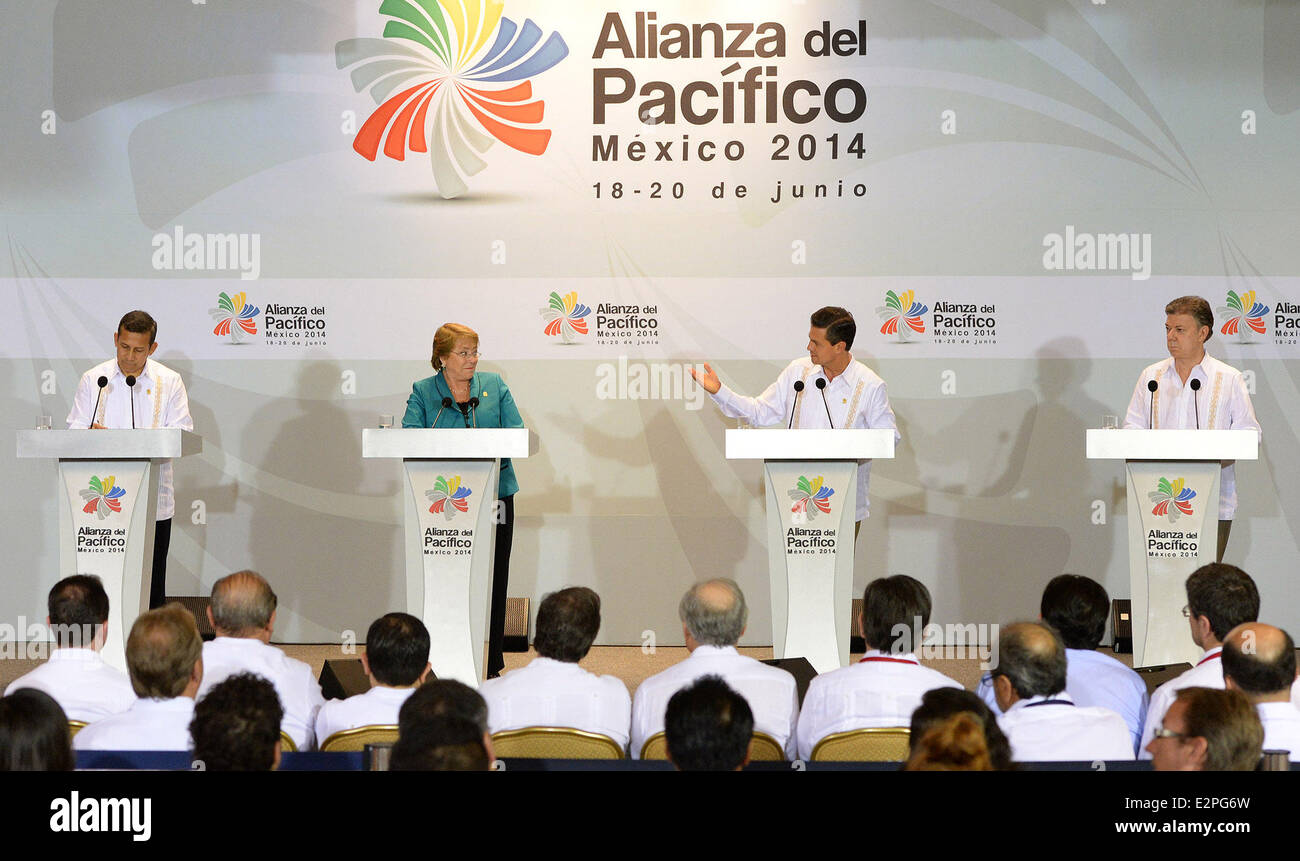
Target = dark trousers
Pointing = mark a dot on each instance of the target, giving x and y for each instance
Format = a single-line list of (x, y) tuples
[(1225, 528), (496, 661), (162, 540)]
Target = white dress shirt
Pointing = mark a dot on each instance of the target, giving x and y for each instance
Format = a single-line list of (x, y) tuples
[(1281, 727), (856, 398), (376, 707), (547, 692), (1208, 673), (881, 690), (160, 402), (1222, 403), (299, 692), (1094, 679), (147, 725), (771, 692), (81, 683), (1054, 729)]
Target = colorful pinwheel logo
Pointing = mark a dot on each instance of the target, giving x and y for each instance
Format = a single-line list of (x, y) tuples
[(1243, 313), (234, 316), (902, 315), (1170, 498), (103, 497), (433, 75), (810, 498), (565, 316), (448, 497)]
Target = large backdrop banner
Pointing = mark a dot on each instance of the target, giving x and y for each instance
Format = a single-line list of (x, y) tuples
[(1005, 193)]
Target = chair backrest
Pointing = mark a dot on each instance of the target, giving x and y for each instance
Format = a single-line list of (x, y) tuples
[(75, 726), (764, 748), (554, 742), (869, 744), (286, 743), (356, 739)]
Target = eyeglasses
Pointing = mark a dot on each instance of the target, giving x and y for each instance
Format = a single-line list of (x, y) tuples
[(467, 354), (1161, 732)]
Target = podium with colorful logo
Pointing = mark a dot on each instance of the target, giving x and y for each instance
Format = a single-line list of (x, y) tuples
[(812, 487), (450, 500), (1173, 524), (108, 493)]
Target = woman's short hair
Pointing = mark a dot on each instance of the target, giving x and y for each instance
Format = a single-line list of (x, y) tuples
[(444, 341), (34, 734)]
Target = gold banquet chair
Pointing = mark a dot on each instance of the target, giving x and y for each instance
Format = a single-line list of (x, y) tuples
[(286, 743), (763, 748), (74, 727), (356, 739), (554, 742), (870, 744)]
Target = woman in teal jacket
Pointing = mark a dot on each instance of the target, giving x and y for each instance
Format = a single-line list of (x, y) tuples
[(457, 397)]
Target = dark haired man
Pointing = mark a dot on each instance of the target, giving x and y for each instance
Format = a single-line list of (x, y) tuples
[(854, 396), (396, 661), (552, 690), (708, 727), (76, 676), (1259, 660), (1222, 401), (1219, 598), (236, 726), (157, 400), (443, 726), (1207, 729), (886, 685)]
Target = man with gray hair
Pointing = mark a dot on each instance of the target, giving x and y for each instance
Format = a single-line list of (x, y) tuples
[(243, 615), (713, 617)]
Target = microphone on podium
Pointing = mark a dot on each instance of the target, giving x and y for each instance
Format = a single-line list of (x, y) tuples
[(446, 402), (473, 408), (798, 388), (821, 386), (1151, 387), (101, 382), (130, 384), (1196, 387)]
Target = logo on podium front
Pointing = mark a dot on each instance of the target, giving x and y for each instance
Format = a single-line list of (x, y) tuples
[(448, 497), (1172, 499), (103, 497), (811, 498)]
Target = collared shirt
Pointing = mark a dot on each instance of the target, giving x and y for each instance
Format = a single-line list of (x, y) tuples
[(881, 690), (1281, 727), (856, 398), (1055, 729), (81, 683), (160, 402), (376, 707), (547, 692), (771, 692), (1095, 679), (1208, 673), (299, 692), (147, 725), (1222, 403)]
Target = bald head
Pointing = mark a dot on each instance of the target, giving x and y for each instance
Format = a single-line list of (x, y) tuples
[(1032, 658), (243, 605), (714, 612), (1259, 660)]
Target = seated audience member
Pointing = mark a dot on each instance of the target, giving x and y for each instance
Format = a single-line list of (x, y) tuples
[(942, 703), (1259, 661), (1077, 607), (1219, 598), (708, 727), (236, 725), (396, 661), (1207, 729), (164, 655), (956, 743), (34, 733), (885, 687), (552, 690), (1040, 719), (443, 726), (243, 615), (713, 617), (75, 675)]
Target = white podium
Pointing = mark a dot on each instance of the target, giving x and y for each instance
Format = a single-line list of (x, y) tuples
[(812, 488), (450, 535), (108, 482), (1173, 524)]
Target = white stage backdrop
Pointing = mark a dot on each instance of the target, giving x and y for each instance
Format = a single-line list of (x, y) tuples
[(1005, 194)]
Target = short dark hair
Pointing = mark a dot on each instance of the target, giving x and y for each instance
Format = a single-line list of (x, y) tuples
[(77, 605), (567, 624), (1077, 607), (1253, 674), (34, 733), (838, 324), (161, 651), (1225, 595), (889, 602), (1229, 724), (708, 727), (237, 724), (440, 727), (139, 322), (1035, 666), (1196, 307), (397, 649), (939, 704)]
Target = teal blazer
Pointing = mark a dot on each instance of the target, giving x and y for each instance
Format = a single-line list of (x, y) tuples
[(496, 409)]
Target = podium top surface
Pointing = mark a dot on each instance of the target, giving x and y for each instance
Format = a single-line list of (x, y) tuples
[(1172, 444), (140, 444), (448, 443), (809, 444)]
